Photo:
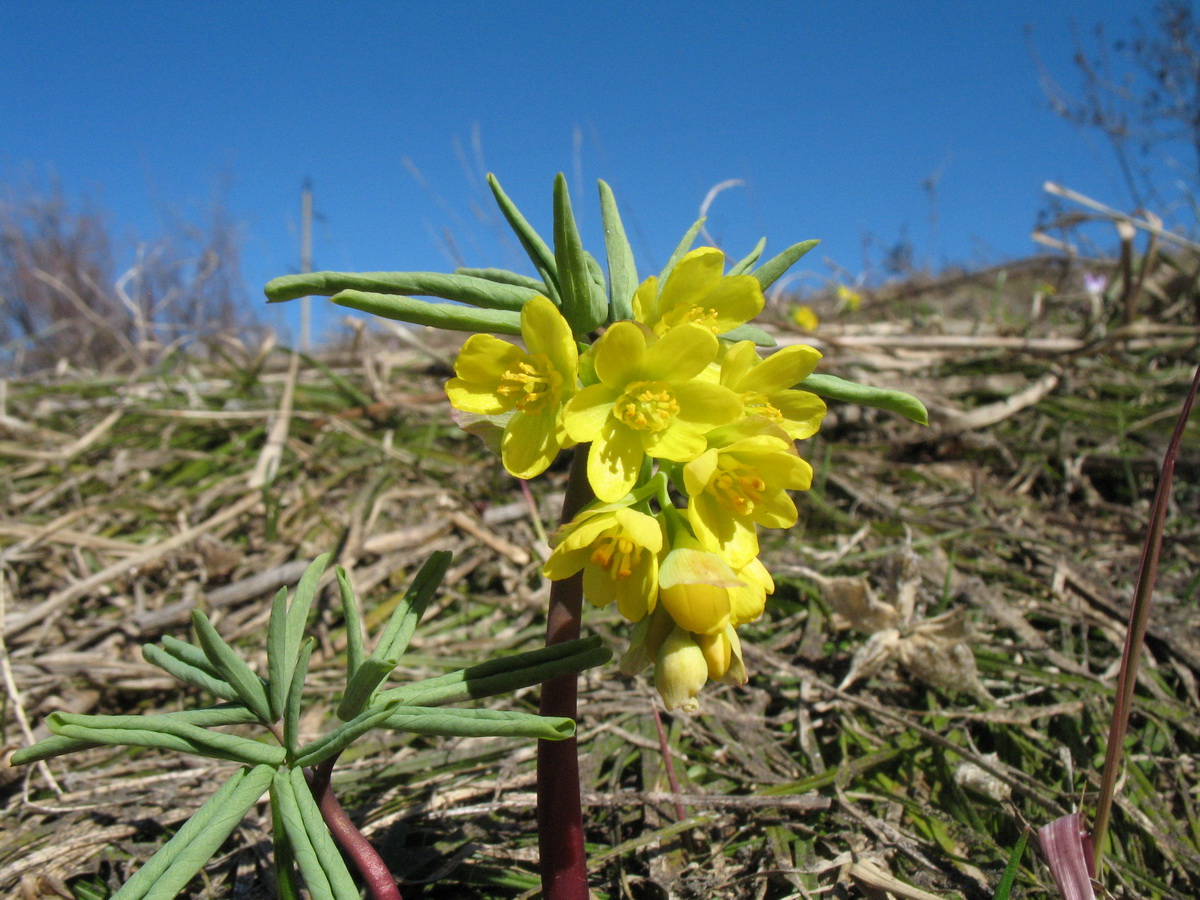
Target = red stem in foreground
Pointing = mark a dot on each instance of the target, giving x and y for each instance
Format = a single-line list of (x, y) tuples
[(559, 808), (380, 883)]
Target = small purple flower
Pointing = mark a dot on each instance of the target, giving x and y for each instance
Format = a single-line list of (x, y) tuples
[(1094, 284)]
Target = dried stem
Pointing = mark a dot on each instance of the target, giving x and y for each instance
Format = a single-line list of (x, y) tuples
[(559, 807)]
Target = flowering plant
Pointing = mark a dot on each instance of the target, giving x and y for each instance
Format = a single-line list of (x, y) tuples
[(684, 442)]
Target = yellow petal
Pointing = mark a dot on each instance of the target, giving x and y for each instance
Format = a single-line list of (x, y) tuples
[(614, 461)]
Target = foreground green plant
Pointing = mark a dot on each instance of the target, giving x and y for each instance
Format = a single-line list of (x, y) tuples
[(307, 818), (686, 441)]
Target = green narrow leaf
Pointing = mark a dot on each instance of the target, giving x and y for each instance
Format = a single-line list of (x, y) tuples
[(291, 712), (188, 674), (144, 878), (597, 284), (539, 254), (622, 270), (164, 731), (232, 667), (770, 271), (394, 640), (436, 315), (190, 654), (311, 869), (744, 265), (352, 616), (368, 676), (749, 332), (684, 246), (286, 886), (1004, 888), (498, 676), (340, 738), (852, 392), (301, 606), (503, 276), (459, 287), (322, 841), (573, 279), (48, 748), (202, 847), (450, 722), (277, 654)]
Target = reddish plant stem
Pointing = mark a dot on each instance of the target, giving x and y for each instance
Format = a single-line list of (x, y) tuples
[(668, 763), (380, 883), (559, 808)]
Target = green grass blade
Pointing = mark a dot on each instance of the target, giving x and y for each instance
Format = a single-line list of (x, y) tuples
[(770, 271), (232, 667), (1004, 887), (898, 402), (622, 270), (539, 254)]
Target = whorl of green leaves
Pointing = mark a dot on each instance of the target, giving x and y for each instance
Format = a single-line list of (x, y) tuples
[(276, 763)]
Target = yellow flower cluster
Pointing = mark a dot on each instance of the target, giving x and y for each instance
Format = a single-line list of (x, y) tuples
[(692, 449)]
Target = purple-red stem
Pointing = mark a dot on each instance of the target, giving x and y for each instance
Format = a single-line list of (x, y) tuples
[(380, 883), (559, 807), (1135, 633), (665, 746)]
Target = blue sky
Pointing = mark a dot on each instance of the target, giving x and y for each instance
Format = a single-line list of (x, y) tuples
[(832, 114)]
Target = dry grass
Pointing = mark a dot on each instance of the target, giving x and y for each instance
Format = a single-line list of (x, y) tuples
[(1020, 513)]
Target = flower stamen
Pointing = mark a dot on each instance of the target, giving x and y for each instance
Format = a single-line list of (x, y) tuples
[(647, 406), (531, 383)]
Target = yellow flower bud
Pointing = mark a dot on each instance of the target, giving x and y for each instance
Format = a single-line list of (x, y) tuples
[(680, 671)]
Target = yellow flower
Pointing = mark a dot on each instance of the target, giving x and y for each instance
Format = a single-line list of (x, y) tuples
[(805, 317), (680, 671), (765, 386), (697, 291), (739, 481), (648, 636), (495, 378), (748, 600), (648, 402), (695, 586), (849, 299), (617, 549)]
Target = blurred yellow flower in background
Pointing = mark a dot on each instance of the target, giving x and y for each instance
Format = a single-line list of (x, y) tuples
[(848, 298), (805, 317)]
